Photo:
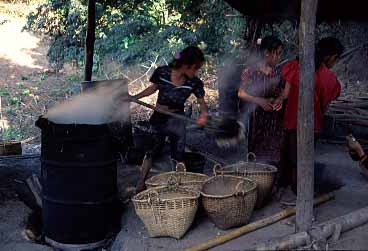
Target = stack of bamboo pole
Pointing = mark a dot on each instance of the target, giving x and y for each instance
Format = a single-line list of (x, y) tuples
[(352, 106)]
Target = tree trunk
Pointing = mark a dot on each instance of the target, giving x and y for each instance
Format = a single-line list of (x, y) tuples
[(90, 40), (305, 129)]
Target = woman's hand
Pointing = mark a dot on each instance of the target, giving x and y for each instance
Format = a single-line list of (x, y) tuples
[(265, 104), (202, 119), (277, 104), (354, 146)]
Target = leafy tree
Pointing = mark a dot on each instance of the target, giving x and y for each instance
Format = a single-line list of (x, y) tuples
[(135, 31)]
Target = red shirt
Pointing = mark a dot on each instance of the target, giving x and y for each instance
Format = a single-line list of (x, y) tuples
[(327, 88)]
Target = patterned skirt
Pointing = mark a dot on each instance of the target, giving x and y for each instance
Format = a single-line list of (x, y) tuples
[(266, 134)]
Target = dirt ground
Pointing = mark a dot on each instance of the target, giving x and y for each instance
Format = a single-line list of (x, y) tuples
[(133, 236), (351, 197), (21, 53)]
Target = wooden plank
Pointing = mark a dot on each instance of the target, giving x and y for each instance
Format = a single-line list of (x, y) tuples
[(305, 128), (90, 40), (10, 148)]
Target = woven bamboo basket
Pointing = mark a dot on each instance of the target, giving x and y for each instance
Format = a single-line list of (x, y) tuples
[(166, 210), (229, 200), (185, 179), (262, 174)]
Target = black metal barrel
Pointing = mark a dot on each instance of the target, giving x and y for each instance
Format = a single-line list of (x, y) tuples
[(79, 182)]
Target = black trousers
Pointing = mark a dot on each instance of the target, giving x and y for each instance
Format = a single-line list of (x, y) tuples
[(365, 162), (289, 163), (288, 160), (173, 128)]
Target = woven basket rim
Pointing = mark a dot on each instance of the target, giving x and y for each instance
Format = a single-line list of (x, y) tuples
[(195, 194), (271, 169), (254, 186), (155, 180)]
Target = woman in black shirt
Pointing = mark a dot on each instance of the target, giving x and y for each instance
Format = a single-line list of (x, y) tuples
[(175, 83)]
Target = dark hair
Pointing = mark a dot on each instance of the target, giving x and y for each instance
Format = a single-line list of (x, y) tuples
[(270, 43), (189, 56), (327, 46)]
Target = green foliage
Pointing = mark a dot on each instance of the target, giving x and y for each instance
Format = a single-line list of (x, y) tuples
[(63, 21), (16, 101), (24, 77), (43, 75), (22, 1), (4, 92), (135, 31), (11, 133)]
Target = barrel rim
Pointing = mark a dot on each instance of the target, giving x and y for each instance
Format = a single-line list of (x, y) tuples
[(43, 120), (76, 247)]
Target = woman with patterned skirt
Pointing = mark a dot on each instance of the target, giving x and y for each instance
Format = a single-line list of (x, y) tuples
[(260, 86)]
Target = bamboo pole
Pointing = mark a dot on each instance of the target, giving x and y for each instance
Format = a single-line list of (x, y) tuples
[(320, 233), (305, 130), (255, 226), (90, 40)]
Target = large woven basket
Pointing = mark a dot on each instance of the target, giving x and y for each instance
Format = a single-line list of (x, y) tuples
[(167, 211), (229, 200), (184, 179), (262, 174)]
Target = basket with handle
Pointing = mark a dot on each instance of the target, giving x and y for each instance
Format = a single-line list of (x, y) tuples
[(229, 200), (184, 178), (167, 210), (262, 174)]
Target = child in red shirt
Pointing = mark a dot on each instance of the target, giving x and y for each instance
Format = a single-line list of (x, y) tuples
[(327, 89)]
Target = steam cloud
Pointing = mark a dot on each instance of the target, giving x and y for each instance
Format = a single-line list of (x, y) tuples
[(103, 104), (230, 80), (229, 83)]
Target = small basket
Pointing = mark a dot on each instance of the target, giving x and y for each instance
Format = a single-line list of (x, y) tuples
[(229, 200), (185, 179), (262, 174), (167, 210)]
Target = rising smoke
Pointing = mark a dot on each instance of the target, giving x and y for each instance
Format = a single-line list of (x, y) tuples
[(102, 104), (229, 75)]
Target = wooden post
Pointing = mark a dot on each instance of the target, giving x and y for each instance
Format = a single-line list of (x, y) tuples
[(90, 40), (305, 131)]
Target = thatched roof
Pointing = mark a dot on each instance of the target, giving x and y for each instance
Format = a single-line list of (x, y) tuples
[(328, 10)]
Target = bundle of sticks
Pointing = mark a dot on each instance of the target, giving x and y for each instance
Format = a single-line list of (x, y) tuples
[(350, 109)]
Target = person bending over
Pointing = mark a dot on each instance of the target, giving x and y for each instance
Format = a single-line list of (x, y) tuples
[(175, 83)]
